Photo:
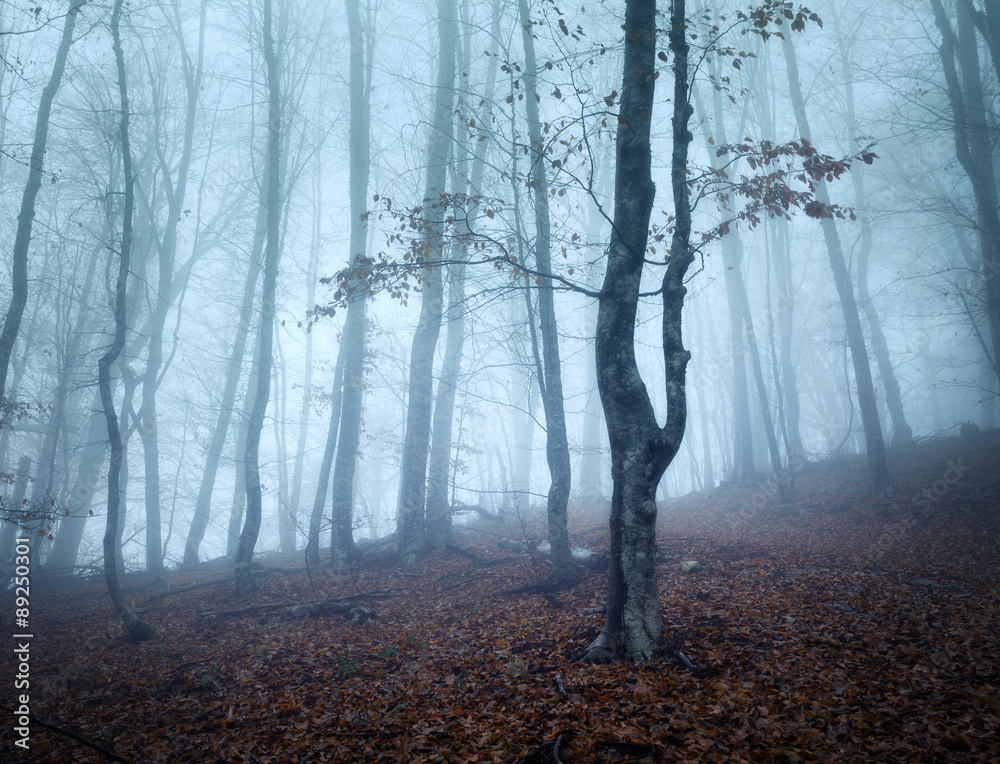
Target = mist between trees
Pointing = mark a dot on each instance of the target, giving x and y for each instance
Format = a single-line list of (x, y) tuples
[(289, 276)]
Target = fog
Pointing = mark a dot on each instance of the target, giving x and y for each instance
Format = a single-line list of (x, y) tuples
[(408, 195)]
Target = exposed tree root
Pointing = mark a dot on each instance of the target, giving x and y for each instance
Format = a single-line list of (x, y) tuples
[(547, 753)]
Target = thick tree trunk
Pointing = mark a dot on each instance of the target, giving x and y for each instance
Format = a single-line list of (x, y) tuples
[(874, 442), (641, 450), (26, 217), (272, 252), (137, 630), (416, 444)]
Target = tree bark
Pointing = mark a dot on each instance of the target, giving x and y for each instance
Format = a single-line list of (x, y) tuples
[(416, 445), (641, 450)]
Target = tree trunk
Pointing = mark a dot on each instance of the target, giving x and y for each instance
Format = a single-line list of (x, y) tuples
[(875, 446), (438, 523), (781, 476), (556, 441), (323, 476), (641, 450), (413, 463), (239, 505), (137, 630), (244, 584), (312, 278), (744, 472), (591, 463), (13, 510), (901, 431), (26, 217), (974, 145), (148, 424), (354, 338)]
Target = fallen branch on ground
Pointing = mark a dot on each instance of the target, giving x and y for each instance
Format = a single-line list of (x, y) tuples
[(314, 609), (71, 735), (219, 581)]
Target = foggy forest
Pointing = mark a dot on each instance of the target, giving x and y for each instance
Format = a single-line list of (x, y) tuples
[(481, 381)]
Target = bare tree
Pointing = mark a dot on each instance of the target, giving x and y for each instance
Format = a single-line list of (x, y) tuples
[(550, 381), (410, 530), (137, 629), (640, 448), (353, 341), (272, 253), (26, 217), (875, 445)]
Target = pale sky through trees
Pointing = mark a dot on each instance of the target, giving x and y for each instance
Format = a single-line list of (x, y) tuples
[(872, 79)]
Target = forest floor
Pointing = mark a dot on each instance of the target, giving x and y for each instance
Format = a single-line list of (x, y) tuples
[(836, 627)]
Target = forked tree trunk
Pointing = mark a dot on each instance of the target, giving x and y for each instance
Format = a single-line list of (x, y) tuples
[(410, 531), (438, 523), (641, 450)]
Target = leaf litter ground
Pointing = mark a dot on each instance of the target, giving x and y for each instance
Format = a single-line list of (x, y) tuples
[(833, 628)]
